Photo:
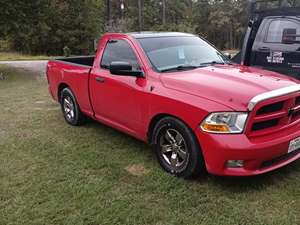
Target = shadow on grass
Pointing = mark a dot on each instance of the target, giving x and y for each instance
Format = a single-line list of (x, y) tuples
[(101, 127), (231, 184), (116, 135), (251, 183)]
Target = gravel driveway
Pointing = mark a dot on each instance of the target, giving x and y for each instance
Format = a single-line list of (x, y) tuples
[(36, 66)]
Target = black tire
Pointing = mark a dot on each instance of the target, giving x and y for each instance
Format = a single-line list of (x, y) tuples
[(68, 102), (182, 165)]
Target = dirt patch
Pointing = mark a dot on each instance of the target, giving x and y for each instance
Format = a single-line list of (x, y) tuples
[(40, 102), (2, 132), (53, 109), (136, 170), (37, 108), (24, 134)]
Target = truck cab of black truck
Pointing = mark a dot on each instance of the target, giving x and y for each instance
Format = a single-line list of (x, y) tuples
[(272, 40)]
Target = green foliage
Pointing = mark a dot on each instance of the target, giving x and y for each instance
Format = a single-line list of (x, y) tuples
[(223, 22), (46, 26), (4, 45), (67, 51), (276, 3)]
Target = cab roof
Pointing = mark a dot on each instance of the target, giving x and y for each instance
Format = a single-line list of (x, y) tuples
[(153, 34)]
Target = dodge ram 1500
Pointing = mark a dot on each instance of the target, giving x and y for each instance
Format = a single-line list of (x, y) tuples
[(191, 103)]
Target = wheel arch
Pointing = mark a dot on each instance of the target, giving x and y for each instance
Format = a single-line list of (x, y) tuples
[(155, 119), (61, 86)]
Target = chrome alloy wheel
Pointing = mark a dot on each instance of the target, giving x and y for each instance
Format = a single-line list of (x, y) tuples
[(174, 150), (69, 108)]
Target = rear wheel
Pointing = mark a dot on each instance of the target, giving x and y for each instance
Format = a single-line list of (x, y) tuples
[(177, 148), (70, 108)]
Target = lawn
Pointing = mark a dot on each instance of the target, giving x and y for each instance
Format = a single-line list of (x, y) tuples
[(7, 56), (52, 173)]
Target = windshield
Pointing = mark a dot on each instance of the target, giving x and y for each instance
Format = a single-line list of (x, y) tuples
[(179, 53)]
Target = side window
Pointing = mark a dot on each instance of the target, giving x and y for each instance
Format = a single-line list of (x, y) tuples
[(280, 29), (119, 50)]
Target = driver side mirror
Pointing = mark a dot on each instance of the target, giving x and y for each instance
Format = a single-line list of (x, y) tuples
[(124, 69)]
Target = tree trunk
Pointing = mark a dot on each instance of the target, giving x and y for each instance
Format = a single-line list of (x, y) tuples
[(141, 6), (108, 15), (164, 12)]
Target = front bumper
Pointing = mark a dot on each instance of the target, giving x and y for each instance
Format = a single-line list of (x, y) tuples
[(260, 154)]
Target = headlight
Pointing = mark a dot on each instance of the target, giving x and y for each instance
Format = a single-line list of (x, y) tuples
[(225, 122)]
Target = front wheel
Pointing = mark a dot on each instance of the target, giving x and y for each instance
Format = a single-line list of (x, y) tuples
[(177, 148)]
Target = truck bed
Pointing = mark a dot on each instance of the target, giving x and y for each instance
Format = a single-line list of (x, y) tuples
[(80, 60), (74, 72)]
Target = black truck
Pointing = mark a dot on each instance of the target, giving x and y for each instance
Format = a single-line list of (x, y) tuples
[(272, 39)]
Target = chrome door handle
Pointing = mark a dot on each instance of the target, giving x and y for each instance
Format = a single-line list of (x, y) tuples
[(100, 79)]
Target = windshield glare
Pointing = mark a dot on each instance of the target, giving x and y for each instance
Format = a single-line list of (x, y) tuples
[(171, 52)]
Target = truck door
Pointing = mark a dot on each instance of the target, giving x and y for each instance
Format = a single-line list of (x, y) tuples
[(277, 45), (117, 100)]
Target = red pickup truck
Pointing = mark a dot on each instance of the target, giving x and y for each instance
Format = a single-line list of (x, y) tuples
[(177, 92)]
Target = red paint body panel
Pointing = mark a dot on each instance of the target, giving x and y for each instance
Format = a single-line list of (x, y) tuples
[(255, 151), (129, 104)]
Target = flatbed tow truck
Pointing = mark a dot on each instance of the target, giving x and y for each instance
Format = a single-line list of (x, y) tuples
[(272, 39)]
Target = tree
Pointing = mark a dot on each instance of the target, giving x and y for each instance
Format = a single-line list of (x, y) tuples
[(47, 26)]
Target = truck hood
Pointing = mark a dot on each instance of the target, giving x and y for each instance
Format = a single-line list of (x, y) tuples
[(230, 85)]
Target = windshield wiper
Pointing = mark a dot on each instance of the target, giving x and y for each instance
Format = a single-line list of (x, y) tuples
[(179, 68), (211, 63)]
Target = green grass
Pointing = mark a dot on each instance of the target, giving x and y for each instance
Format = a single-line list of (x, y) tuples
[(7, 56), (52, 173)]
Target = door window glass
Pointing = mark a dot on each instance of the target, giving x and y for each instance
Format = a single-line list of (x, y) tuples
[(119, 50), (281, 29)]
